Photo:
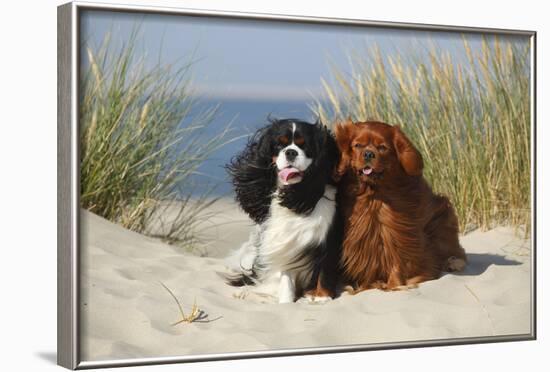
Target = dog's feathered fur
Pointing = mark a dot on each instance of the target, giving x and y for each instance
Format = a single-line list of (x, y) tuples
[(397, 231), (298, 230)]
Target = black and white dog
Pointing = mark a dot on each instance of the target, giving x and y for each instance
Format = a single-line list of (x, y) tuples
[(283, 181)]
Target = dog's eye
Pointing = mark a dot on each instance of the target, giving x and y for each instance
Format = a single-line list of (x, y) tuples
[(382, 148), (283, 140), (358, 145)]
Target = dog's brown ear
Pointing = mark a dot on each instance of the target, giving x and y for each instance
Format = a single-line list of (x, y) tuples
[(409, 157), (344, 132)]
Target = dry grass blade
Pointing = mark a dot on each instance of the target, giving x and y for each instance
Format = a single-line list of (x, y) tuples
[(471, 121), (142, 138), (196, 314)]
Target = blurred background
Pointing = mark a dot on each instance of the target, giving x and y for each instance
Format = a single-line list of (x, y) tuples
[(168, 100)]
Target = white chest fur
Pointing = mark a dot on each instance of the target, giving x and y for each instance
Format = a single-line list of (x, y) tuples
[(287, 234), (273, 247)]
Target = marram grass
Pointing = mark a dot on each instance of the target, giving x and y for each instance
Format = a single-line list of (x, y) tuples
[(471, 122), (139, 143)]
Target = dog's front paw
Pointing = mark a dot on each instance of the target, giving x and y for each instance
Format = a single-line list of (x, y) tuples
[(286, 298), (318, 295), (313, 299)]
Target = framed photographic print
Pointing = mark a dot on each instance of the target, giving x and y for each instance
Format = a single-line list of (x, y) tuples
[(235, 185)]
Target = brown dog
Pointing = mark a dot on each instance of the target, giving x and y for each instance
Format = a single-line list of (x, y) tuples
[(397, 231)]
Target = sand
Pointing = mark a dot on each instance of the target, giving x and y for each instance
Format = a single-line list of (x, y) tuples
[(126, 312)]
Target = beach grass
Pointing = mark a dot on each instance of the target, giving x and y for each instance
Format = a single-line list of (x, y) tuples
[(140, 141), (471, 121)]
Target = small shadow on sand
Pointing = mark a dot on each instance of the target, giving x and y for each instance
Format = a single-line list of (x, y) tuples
[(49, 356), (479, 262)]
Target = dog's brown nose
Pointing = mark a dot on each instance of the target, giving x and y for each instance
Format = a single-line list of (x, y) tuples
[(369, 155)]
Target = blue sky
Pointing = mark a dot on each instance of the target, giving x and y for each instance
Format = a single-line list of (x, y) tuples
[(252, 69), (249, 59)]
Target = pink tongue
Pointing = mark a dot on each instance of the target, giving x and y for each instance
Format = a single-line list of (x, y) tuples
[(367, 171), (287, 173)]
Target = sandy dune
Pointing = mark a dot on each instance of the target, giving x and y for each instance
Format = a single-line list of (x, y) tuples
[(126, 313)]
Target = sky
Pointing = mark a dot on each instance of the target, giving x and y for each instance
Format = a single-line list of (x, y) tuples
[(253, 69), (251, 59)]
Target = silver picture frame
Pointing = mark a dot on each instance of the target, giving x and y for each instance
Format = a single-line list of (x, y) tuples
[(68, 27)]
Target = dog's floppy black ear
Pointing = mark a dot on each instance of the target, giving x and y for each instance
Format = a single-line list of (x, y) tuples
[(330, 152), (333, 155), (253, 177)]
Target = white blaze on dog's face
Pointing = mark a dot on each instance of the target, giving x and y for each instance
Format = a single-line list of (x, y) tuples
[(291, 159)]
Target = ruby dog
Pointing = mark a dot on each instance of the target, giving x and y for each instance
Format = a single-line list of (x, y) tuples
[(398, 233)]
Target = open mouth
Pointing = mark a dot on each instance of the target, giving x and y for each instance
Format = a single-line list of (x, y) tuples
[(370, 172), (290, 175)]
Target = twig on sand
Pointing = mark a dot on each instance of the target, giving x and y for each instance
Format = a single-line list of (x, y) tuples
[(196, 316)]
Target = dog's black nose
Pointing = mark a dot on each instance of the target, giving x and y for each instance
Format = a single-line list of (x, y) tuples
[(291, 154), (369, 155)]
